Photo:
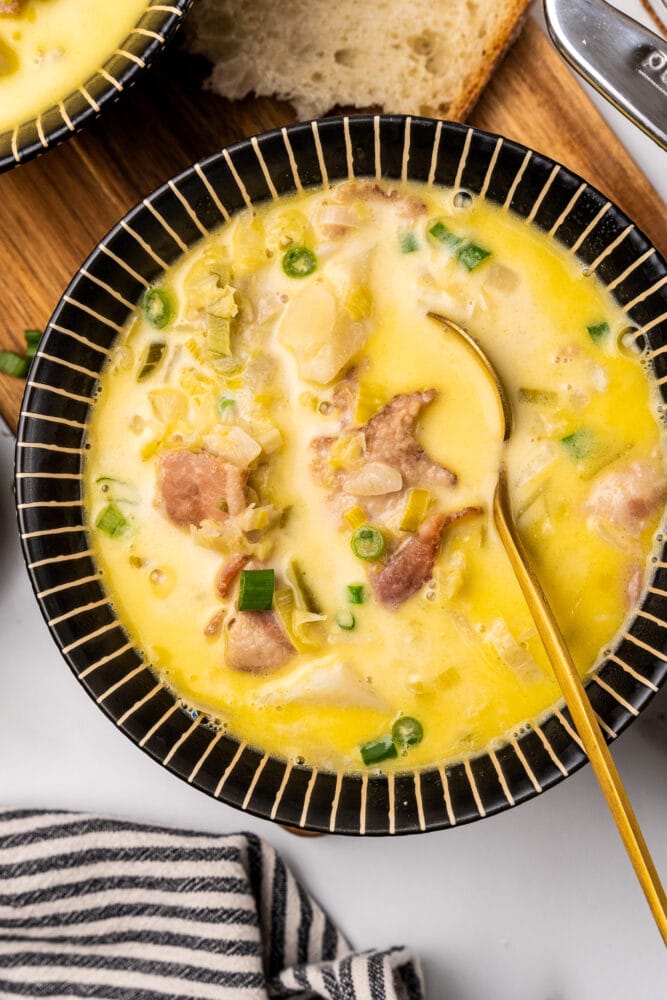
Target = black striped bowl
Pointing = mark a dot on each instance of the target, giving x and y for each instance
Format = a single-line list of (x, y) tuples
[(52, 435), (155, 27)]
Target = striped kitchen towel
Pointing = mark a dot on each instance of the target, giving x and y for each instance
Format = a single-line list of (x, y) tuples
[(96, 907)]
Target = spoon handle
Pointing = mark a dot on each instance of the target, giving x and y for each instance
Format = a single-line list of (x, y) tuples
[(580, 707), (621, 58)]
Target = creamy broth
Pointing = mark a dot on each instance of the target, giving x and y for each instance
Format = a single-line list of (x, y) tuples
[(50, 47), (311, 382)]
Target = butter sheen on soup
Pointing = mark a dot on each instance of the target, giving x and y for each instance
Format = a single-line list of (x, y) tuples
[(49, 48), (291, 471)]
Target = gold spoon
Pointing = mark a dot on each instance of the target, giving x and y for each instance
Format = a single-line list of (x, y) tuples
[(563, 667)]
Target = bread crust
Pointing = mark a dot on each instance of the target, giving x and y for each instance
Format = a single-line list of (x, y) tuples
[(433, 59), (502, 42)]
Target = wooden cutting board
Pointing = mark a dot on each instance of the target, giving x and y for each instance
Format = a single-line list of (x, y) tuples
[(55, 209)]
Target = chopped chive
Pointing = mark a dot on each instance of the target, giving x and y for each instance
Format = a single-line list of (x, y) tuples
[(225, 402), (299, 262), (112, 521), (158, 309), (256, 590), (442, 234), (368, 543), (377, 750), (597, 331), (32, 339), (409, 243), (355, 593), (579, 444), (471, 256), (407, 732), (13, 364), (152, 358), (346, 620)]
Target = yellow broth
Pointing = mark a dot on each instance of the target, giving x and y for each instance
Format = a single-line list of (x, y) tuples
[(461, 655), (52, 47)]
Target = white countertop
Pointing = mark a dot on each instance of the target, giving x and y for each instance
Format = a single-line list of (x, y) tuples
[(537, 903)]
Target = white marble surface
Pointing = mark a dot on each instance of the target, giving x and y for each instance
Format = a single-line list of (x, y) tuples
[(538, 903)]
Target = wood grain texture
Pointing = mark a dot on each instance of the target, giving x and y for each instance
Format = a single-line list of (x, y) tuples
[(55, 209)]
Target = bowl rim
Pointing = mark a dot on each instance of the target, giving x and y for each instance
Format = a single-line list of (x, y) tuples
[(138, 51), (375, 797)]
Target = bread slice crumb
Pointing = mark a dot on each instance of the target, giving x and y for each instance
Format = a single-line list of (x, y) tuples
[(429, 57)]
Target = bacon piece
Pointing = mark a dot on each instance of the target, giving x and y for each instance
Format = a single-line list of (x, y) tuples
[(256, 642), (627, 498), (407, 205), (215, 623), (10, 6), (390, 438), (196, 485), (228, 573), (411, 566)]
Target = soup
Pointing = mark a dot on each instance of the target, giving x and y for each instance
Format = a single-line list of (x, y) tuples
[(48, 48), (291, 469)]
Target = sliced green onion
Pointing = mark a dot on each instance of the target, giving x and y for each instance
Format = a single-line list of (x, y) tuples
[(368, 543), (299, 262), (538, 396), (355, 593), (256, 590), (32, 339), (377, 750), (225, 402), (112, 521), (442, 234), (409, 243), (13, 364), (579, 444), (471, 256), (158, 309), (346, 620), (598, 331), (407, 732), (152, 358)]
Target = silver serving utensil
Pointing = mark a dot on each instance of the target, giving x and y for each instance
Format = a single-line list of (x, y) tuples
[(621, 58)]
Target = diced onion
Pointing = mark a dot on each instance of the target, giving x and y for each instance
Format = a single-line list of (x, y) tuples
[(519, 660)]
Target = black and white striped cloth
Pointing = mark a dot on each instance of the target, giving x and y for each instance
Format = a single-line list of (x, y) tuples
[(95, 907)]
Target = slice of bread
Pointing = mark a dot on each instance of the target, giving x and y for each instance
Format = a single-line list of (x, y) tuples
[(429, 57)]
